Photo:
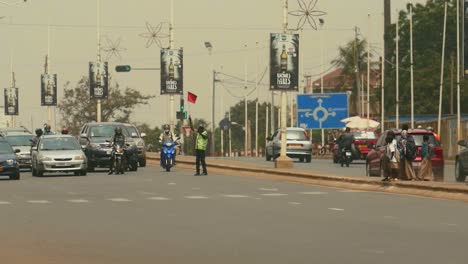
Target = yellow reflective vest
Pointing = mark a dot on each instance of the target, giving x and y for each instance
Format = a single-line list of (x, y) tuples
[(202, 141)]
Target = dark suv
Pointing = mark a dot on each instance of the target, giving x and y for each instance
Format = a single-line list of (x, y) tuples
[(95, 140)]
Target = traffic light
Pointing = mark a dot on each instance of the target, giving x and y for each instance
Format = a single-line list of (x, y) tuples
[(182, 104), (123, 68)]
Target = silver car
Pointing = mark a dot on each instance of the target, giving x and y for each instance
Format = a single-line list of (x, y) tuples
[(298, 144), (58, 153), (21, 141)]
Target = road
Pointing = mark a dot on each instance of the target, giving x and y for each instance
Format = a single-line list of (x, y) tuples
[(357, 167), (156, 217)]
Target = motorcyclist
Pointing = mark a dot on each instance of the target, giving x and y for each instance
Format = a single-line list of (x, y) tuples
[(47, 130), (39, 133), (345, 142), (117, 139), (165, 137)]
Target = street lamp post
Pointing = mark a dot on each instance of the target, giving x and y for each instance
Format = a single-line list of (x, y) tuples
[(209, 46)]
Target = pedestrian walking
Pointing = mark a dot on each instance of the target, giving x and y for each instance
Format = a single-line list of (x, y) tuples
[(391, 159), (407, 148), (427, 149), (200, 148)]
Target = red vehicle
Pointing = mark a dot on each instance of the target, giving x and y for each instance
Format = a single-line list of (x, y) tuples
[(364, 142), (374, 158)]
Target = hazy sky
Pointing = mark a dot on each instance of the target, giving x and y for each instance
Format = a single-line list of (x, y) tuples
[(228, 24)]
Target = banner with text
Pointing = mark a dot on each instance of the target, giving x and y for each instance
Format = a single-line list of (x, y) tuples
[(98, 80), (284, 62), (11, 101), (48, 89), (172, 71)]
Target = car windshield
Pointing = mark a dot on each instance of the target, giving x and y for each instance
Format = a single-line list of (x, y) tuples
[(105, 131), (5, 148), (23, 140), (418, 139), (132, 131), (296, 135), (364, 135), (65, 143)]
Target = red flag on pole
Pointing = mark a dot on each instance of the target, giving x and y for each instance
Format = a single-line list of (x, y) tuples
[(191, 97)]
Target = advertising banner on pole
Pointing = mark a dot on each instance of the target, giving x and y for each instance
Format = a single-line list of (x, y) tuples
[(99, 80), (172, 71), (11, 101), (48, 89), (284, 62)]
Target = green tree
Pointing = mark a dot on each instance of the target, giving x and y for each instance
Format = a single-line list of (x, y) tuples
[(77, 108)]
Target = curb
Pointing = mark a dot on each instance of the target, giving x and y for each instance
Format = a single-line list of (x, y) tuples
[(426, 189)]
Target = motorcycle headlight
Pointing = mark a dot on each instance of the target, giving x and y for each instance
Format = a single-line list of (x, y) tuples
[(168, 144), (45, 159), (81, 157), (11, 162)]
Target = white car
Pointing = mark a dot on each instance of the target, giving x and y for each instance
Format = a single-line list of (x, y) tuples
[(298, 144), (58, 153)]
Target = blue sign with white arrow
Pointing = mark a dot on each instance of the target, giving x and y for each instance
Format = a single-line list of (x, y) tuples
[(316, 111)]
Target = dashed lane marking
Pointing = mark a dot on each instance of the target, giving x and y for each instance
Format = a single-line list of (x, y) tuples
[(119, 200), (158, 198), (39, 201), (235, 196), (172, 183), (78, 201), (335, 209), (294, 203), (4, 202), (195, 197), (274, 194), (268, 189), (313, 193)]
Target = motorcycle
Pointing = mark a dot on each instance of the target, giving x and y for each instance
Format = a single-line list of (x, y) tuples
[(118, 155), (346, 156), (168, 157)]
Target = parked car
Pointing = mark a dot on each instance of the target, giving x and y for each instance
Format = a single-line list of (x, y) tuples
[(8, 162), (363, 144), (4, 130), (58, 153), (139, 142), (95, 140), (374, 158), (298, 144), (21, 141), (461, 162)]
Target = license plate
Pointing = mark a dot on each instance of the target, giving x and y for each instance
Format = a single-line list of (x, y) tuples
[(348, 154), (416, 164), (63, 164), (363, 146)]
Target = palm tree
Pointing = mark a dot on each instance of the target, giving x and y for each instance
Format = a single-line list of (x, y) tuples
[(352, 54)]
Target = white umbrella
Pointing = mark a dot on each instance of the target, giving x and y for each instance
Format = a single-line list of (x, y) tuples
[(363, 123), (349, 119)]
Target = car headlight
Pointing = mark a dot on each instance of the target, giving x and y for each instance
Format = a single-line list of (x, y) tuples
[(45, 159), (81, 157), (11, 162)]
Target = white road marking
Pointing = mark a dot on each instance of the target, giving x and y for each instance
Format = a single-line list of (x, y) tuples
[(268, 189), (147, 193), (336, 209), (172, 183), (195, 188), (119, 200), (39, 201), (158, 198), (352, 191), (389, 217), (4, 202), (274, 194), (294, 203), (449, 224), (234, 196), (196, 197), (313, 193), (78, 201)]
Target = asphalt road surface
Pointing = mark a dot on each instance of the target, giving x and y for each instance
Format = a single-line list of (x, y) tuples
[(156, 217), (356, 168)]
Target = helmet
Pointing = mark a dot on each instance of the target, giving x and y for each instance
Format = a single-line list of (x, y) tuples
[(39, 132), (47, 127), (166, 128), (118, 130), (430, 128), (64, 131)]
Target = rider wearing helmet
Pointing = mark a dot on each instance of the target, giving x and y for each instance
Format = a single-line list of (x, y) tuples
[(39, 133), (117, 139), (166, 136), (47, 130)]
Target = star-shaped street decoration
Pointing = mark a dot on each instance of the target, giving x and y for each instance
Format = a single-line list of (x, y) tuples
[(154, 35), (113, 48), (307, 14)]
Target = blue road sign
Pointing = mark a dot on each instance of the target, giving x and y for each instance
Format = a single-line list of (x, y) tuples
[(322, 110)]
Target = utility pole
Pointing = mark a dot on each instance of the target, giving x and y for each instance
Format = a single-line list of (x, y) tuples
[(258, 98), (98, 24), (459, 131), (411, 62), (171, 46), (397, 117), (452, 61), (441, 88), (213, 115), (356, 70), (368, 65), (382, 111)]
